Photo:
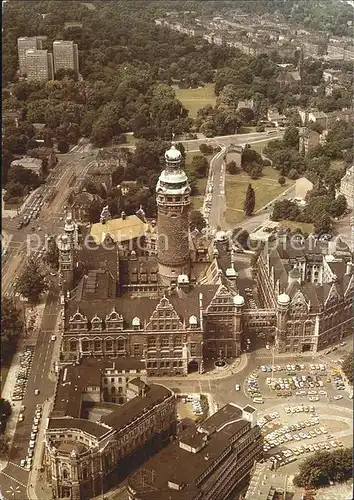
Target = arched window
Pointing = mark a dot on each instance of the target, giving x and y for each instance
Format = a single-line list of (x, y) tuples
[(65, 474)]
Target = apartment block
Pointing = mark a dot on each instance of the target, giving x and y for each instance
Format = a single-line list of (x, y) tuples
[(39, 65), (25, 43), (66, 56)]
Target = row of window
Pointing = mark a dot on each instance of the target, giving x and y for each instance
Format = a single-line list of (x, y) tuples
[(164, 364)]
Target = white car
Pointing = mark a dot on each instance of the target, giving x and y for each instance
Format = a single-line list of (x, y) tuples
[(54, 337), (36, 392), (21, 417), (237, 387), (337, 398)]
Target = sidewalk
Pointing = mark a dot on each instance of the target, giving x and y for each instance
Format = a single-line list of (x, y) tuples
[(38, 487)]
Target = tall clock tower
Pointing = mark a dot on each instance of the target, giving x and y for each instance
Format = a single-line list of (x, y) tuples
[(173, 202)]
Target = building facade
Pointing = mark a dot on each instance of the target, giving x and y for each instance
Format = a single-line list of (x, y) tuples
[(66, 56), (310, 287), (175, 307), (39, 65), (347, 187), (86, 455), (25, 43), (207, 461)]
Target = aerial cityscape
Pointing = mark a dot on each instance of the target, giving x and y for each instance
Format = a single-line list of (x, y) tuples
[(177, 250)]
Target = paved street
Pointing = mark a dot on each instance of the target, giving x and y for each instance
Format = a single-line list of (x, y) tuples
[(39, 378)]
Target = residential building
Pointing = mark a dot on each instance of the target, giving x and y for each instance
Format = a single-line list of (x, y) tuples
[(308, 139), (66, 56), (302, 187), (25, 43), (318, 117), (105, 421), (347, 187), (289, 79), (275, 117), (207, 461), (39, 65), (81, 204)]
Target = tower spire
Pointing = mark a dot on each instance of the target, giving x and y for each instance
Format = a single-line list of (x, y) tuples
[(173, 201)]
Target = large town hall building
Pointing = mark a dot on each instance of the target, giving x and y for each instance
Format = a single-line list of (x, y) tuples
[(158, 293)]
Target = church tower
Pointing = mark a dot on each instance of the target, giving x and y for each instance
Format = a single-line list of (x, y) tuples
[(173, 202), (66, 262)]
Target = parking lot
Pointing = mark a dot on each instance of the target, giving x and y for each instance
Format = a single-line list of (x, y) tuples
[(305, 382), (292, 432)]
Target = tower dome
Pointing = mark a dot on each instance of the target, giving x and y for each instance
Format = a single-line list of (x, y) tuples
[(173, 155), (283, 299), (239, 300)]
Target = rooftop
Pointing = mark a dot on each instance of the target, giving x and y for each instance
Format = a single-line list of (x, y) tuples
[(120, 229)]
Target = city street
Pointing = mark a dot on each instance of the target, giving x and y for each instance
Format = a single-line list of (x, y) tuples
[(14, 476)]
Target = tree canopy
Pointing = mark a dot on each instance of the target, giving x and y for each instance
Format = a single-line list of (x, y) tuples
[(32, 283), (325, 466)]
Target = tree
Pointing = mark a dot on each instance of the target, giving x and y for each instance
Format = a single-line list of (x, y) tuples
[(11, 327), (338, 206), (281, 180), (293, 174), (232, 168), (285, 210), (206, 149), (250, 201), (325, 466), (52, 254), (200, 165), (196, 220), (291, 138), (94, 211), (250, 156), (32, 283), (5, 412), (322, 224), (63, 147), (4, 446), (348, 367)]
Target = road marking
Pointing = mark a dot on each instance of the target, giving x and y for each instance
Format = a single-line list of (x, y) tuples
[(13, 479)]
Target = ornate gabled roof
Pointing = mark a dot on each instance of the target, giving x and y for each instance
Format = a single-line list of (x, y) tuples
[(164, 309)]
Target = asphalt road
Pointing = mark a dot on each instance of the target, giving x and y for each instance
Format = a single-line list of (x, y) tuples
[(14, 476), (27, 241)]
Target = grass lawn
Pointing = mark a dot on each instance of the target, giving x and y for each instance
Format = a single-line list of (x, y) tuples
[(194, 99), (197, 201), (130, 140), (190, 154), (304, 226), (266, 188)]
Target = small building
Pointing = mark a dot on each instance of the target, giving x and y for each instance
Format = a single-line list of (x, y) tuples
[(318, 117), (302, 187), (80, 206), (289, 79), (347, 187), (275, 117)]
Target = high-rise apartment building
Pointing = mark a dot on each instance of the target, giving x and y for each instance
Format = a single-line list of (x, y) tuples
[(39, 65), (66, 56), (25, 43)]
